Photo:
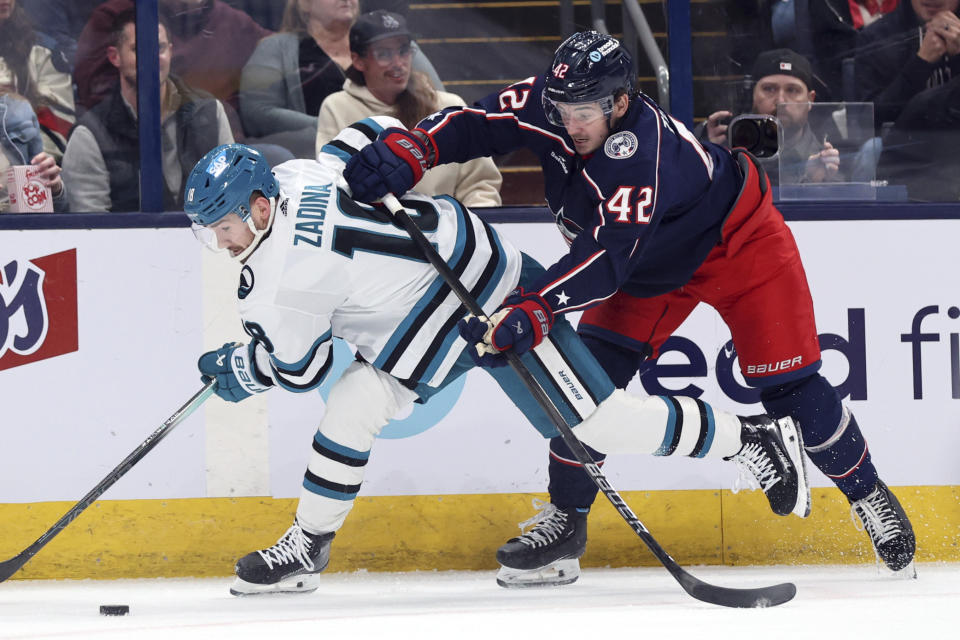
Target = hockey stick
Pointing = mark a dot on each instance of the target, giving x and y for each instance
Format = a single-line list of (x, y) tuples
[(723, 596), (11, 566)]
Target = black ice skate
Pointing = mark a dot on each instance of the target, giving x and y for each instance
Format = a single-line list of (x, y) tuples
[(548, 554), (772, 458), (889, 528), (293, 565)]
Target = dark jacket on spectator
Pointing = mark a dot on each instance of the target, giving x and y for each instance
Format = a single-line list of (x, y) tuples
[(116, 132), (889, 72), (920, 150), (834, 38), (267, 13)]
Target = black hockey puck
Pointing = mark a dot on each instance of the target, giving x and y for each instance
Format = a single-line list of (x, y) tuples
[(114, 609)]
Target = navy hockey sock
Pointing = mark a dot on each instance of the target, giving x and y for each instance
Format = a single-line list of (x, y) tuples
[(845, 458), (832, 438), (570, 486)]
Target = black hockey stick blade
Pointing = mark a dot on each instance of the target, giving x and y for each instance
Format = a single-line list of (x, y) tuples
[(722, 596), (756, 598), (11, 566)]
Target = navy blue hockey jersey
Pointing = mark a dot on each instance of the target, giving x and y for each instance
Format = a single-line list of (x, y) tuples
[(640, 214)]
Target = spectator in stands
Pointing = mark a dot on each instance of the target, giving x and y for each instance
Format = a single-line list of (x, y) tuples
[(211, 42), (58, 24), (269, 13), (27, 68), (783, 77), (913, 48), (380, 81), (290, 73), (834, 25), (22, 144), (102, 157), (920, 150)]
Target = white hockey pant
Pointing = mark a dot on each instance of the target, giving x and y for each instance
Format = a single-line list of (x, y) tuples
[(659, 425), (360, 404)]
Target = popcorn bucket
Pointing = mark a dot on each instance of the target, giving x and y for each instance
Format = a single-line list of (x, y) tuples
[(27, 194)]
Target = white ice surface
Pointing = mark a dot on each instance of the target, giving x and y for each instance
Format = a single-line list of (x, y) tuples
[(832, 602)]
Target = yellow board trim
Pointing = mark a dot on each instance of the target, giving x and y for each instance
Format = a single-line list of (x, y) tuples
[(205, 536)]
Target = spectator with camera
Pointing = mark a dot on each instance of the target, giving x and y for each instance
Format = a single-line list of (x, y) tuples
[(781, 90)]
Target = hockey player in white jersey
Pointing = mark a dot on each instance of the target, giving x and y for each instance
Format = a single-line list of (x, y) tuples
[(318, 265)]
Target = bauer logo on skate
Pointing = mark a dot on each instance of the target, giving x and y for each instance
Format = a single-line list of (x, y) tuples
[(38, 308)]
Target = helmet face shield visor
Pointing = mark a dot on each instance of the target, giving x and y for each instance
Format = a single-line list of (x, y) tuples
[(565, 114), (231, 232), (207, 237)]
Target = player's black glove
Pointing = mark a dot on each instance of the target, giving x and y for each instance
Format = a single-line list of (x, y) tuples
[(392, 164)]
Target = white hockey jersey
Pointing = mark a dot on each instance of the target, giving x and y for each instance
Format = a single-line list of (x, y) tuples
[(331, 267)]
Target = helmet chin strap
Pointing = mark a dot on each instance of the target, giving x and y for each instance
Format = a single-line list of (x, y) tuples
[(258, 234)]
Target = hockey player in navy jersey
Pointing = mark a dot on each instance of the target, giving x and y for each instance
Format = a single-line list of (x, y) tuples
[(657, 223), (318, 265)]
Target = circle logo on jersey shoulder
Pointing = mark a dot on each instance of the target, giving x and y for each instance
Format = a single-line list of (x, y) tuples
[(246, 282), (621, 145)]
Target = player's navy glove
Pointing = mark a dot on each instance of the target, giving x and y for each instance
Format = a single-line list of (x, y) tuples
[(232, 367), (520, 324), (392, 164)]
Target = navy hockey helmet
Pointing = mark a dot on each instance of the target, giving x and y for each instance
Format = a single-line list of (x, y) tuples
[(587, 67), (222, 182)]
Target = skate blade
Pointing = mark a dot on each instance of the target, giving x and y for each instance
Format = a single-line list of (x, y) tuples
[(909, 572), (304, 583), (557, 574), (793, 441)]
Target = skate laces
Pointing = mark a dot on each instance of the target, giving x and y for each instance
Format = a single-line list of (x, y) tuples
[(549, 524), (755, 469), (293, 546), (875, 514)]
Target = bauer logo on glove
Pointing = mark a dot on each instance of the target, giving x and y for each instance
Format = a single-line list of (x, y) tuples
[(520, 325), (232, 365)]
